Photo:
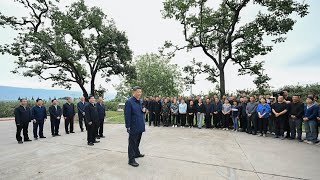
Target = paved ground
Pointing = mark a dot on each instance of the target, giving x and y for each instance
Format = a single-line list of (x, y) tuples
[(171, 153)]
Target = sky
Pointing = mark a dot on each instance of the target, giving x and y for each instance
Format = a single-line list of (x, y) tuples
[(294, 62)]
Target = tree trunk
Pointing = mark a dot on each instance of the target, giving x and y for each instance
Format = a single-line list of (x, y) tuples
[(222, 83), (92, 86), (84, 91)]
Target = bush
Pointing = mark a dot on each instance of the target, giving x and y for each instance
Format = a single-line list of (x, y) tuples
[(111, 106)]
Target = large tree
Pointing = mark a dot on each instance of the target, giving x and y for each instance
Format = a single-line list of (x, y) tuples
[(222, 37), (156, 75), (71, 46)]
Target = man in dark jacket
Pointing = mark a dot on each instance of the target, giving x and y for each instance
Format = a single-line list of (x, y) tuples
[(157, 111), (39, 116), (295, 113), (217, 109), (208, 114), (81, 114), (102, 114), (243, 114), (23, 117), (133, 114), (92, 118), (68, 114), (55, 116), (151, 110)]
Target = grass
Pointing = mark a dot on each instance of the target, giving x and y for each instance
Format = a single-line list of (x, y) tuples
[(114, 117)]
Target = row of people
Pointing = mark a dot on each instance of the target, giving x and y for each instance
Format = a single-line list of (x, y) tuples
[(38, 116), (268, 114)]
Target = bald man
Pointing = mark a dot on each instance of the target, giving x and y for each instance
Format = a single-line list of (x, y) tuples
[(81, 114)]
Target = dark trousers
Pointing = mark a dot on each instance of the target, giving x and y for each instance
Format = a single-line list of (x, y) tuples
[(279, 126), (207, 120), (22, 127), (151, 118), (225, 120), (287, 127), (271, 124), (35, 129), (295, 127), (133, 147), (190, 119), (243, 123), (183, 119), (55, 126), (263, 124), (146, 117), (196, 122), (252, 124), (91, 133), (217, 120), (100, 127), (174, 119), (165, 118), (81, 122), (156, 120), (69, 121)]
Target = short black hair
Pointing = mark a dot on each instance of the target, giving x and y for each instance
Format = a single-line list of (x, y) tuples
[(136, 88), (53, 100), (90, 96), (23, 99), (38, 100), (68, 98)]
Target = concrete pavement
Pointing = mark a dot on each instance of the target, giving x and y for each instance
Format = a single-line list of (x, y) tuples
[(171, 153)]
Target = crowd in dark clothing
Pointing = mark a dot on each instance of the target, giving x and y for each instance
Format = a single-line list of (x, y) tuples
[(89, 113), (281, 117)]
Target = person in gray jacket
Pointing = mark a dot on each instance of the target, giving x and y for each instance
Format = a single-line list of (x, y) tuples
[(252, 116), (174, 108)]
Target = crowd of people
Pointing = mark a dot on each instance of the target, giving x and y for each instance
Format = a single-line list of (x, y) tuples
[(91, 113), (281, 116)]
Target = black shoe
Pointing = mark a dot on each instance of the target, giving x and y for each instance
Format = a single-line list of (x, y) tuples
[(72, 132), (27, 140), (276, 137), (20, 142), (98, 137), (96, 141), (134, 164), (102, 136), (36, 138), (42, 137), (57, 135), (282, 138), (67, 132), (140, 156), (90, 144), (81, 130)]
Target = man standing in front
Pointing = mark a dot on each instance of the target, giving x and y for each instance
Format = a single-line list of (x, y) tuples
[(92, 118), (295, 113), (55, 116), (101, 114), (280, 110), (81, 114), (133, 114), (22, 116), (251, 112), (39, 116), (68, 114)]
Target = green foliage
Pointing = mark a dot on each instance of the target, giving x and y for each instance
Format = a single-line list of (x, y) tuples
[(111, 105), (217, 31), (71, 46), (155, 75)]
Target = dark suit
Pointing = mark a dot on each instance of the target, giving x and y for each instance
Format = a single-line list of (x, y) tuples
[(68, 114), (39, 114), (80, 107), (55, 116), (157, 111), (101, 113), (92, 117), (22, 117), (135, 121)]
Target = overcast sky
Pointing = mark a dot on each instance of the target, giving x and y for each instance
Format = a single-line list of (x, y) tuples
[(295, 61)]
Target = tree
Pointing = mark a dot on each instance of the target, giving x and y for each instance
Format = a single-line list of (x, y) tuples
[(192, 72), (72, 46), (155, 75), (221, 37), (262, 83)]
